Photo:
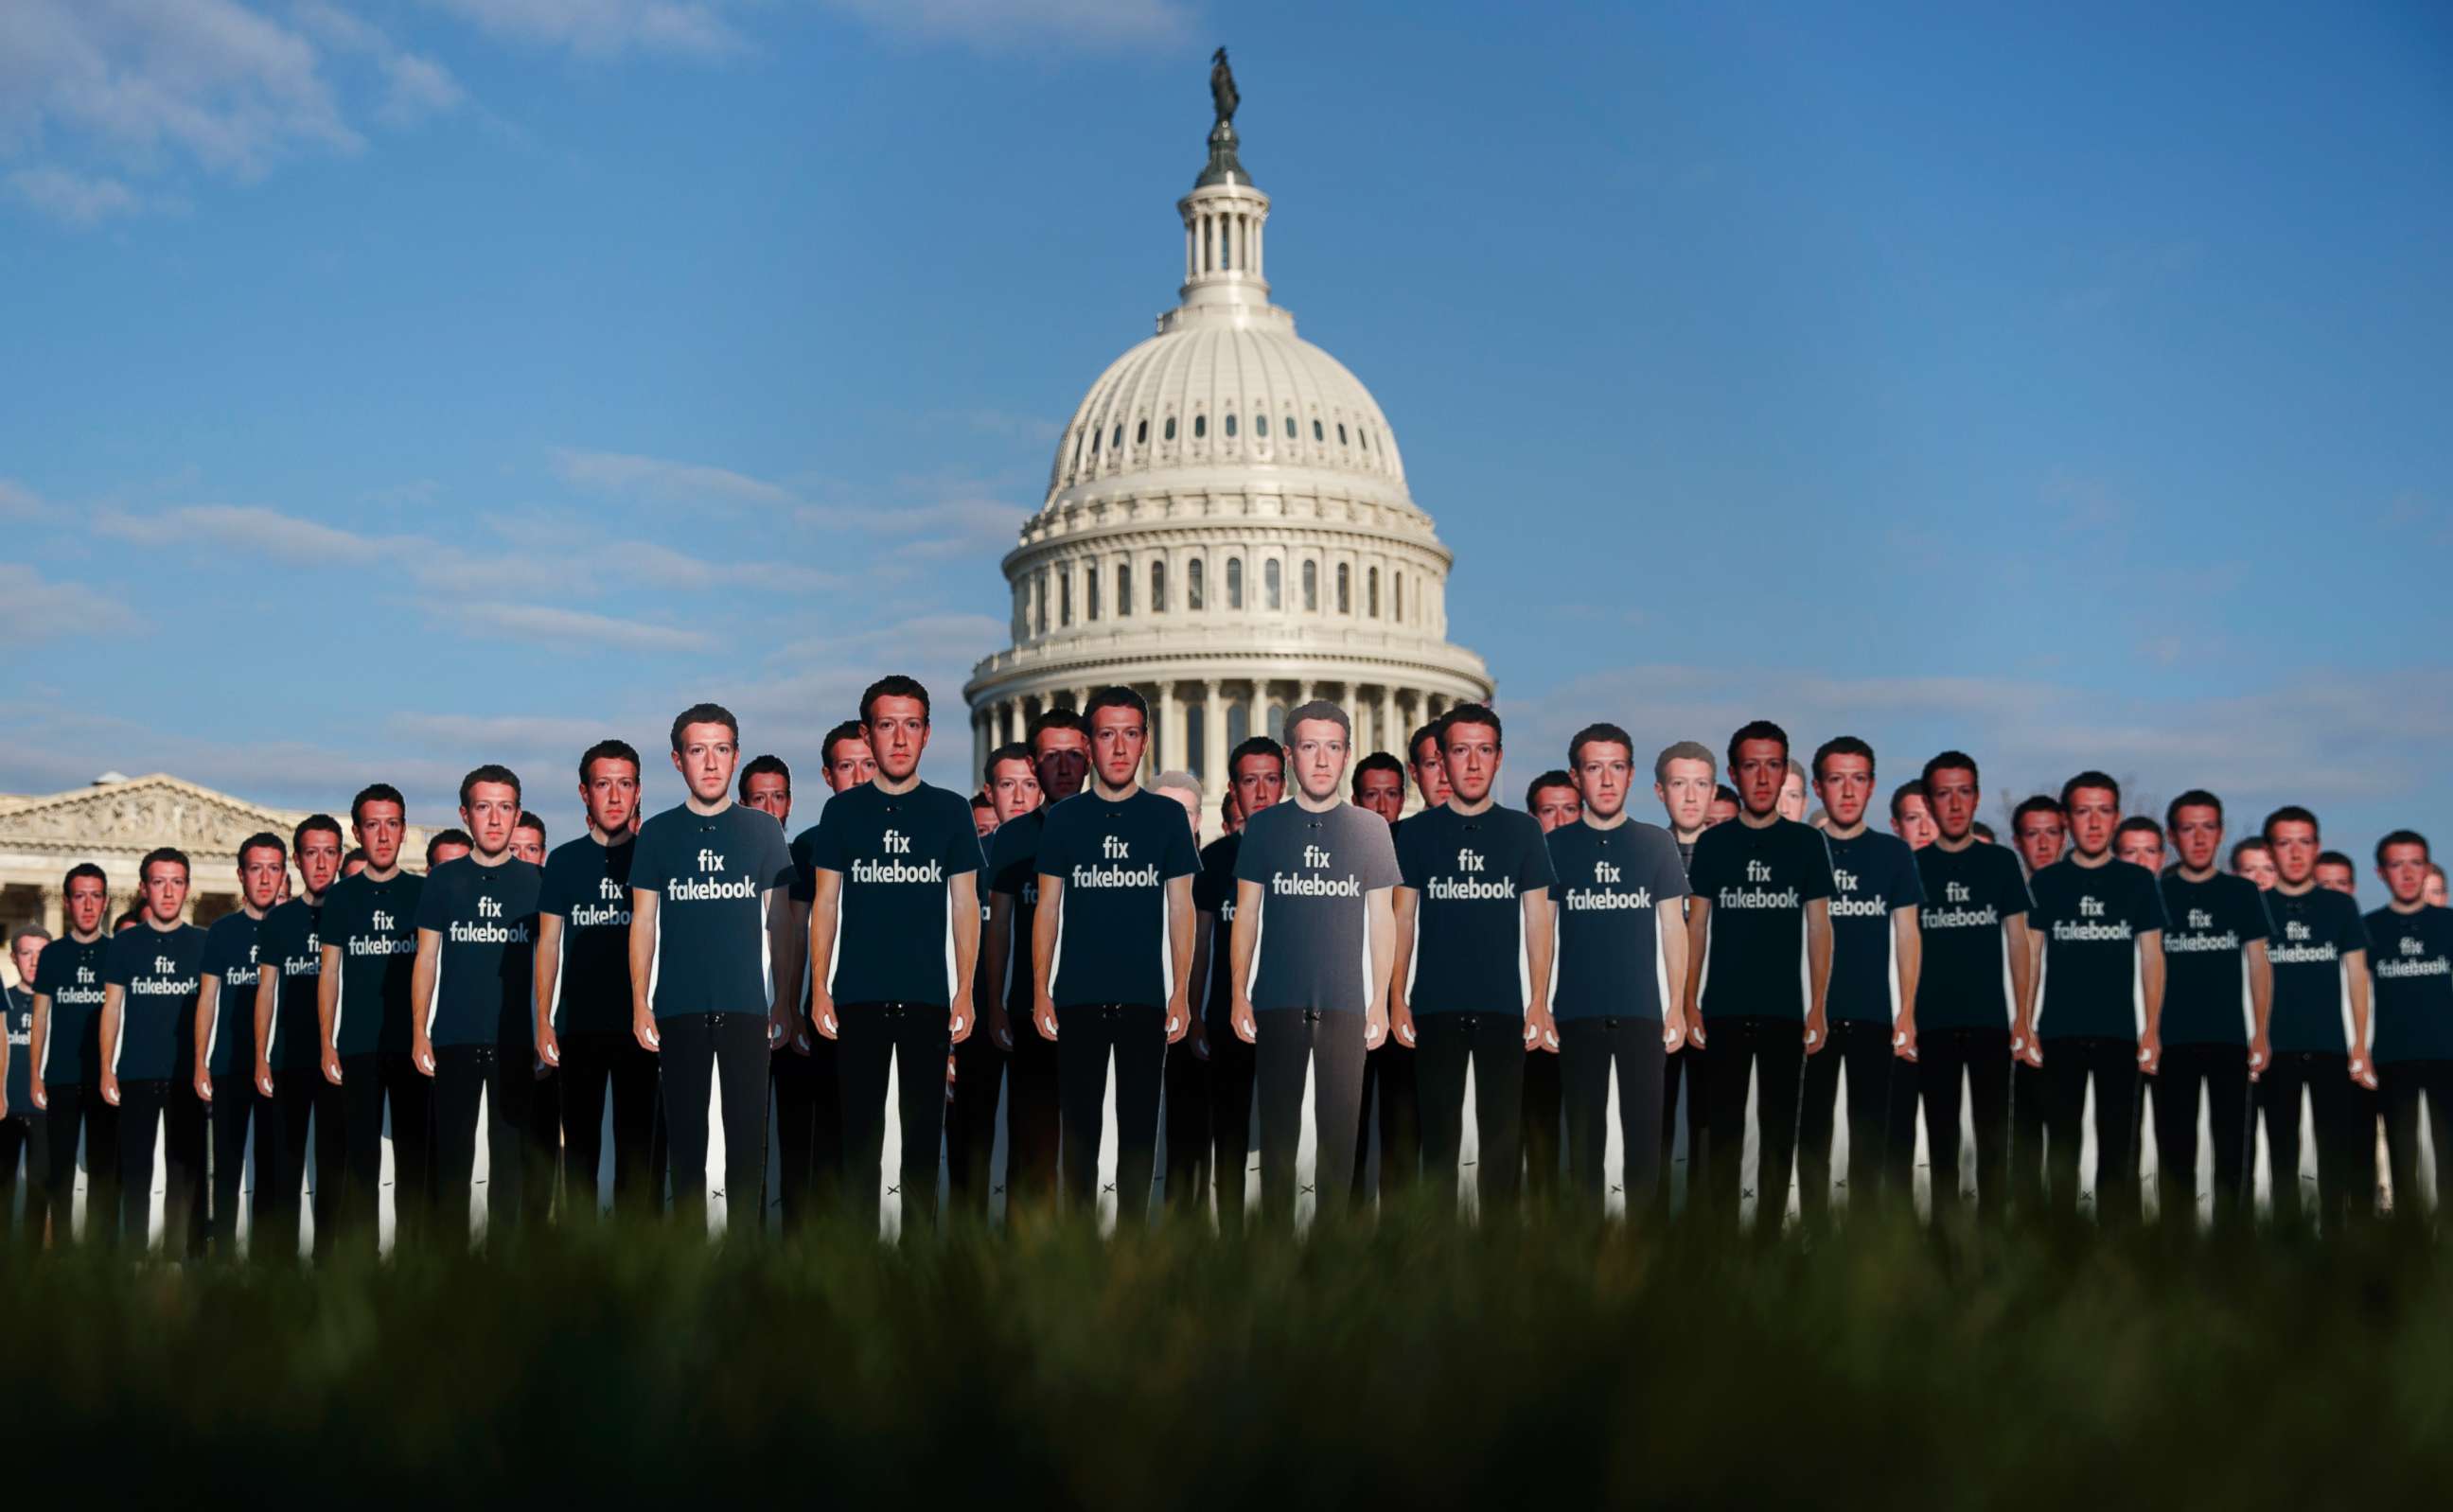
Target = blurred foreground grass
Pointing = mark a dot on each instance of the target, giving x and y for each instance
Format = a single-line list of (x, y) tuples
[(1410, 1363)]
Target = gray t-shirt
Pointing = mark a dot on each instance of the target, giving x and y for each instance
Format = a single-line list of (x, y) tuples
[(1316, 873)]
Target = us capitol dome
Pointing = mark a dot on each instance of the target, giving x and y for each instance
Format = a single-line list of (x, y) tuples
[(1227, 529)]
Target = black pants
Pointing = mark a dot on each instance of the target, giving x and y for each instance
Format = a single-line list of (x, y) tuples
[(2335, 1112), (1136, 1036), (409, 1095), (22, 1134), (809, 1126), (1187, 1127), (1589, 1049), (2028, 1100), (971, 1120), (1981, 1059), (1034, 1123), (2111, 1063), (873, 1037), (1233, 1068), (2223, 1071), (78, 1109), (595, 1067), (2402, 1086), (519, 1177), (187, 1134), (1392, 1103), (303, 1104), (544, 1137), (1294, 1044), (701, 1052), (233, 1118), (1542, 1105), (1882, 1119), (1771, 1050), (146, 1106), (1684, 1065), (1493, 1045)]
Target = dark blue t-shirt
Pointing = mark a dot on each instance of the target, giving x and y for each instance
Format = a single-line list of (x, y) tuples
[(2208, 930), (374, 926), (1871, 875), (1758, 884), (230, 955), (898, 855), (2313, 934), (69, 973), (157, 972), (19, 1012), (587, 886), (1013, 870), (712, 874), (2411, 957), (1213, 893), (1114, 862), (485, 963), (1616, 889), (2091, 919), (292, 943), (1316, 872), (1471, 873), (1963, 936)]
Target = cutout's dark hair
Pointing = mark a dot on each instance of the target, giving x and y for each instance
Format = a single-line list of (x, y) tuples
[(447, 837), (262, 840), (608, 750), (759, 765), (705, 715), (1952, 761), (1428, 731), (86, 869), (894, 685), (849, 729), (2040, 803), (2194, 798), (1053, 718), (1758, 730), (2404, 837), (1913, 787), (1723, 793), (1379, 761), (1256, 746), (2289, 814), (2335, 858), (2137, 825), (1118, 696), (145, 867), (494, 772), (1842, 745), (1604, 733), (1553, 778), (2090, 779), (528, 820), (376, 793), (312, 825), (1011, 752), (1472, 714)]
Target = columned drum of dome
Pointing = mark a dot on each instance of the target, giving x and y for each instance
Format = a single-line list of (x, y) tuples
[(1227, 528)]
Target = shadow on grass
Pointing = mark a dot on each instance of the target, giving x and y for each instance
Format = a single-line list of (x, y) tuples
[(1406, 1363)]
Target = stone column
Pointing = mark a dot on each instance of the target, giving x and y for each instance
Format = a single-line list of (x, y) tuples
[(55, 912), (1169, 748), (1391, 738), (1213, 737)]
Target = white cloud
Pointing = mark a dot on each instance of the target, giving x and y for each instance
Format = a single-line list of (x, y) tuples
[(75, 200), (284, 537), (656, 477), (17, 501), (561, 626), (415, 86), (604, 28), (35, 608), (998, 24)]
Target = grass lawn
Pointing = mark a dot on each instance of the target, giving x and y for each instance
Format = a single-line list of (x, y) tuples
[(1412, 1363)]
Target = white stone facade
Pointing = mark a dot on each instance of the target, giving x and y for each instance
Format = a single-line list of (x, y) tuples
[(1227, 530)]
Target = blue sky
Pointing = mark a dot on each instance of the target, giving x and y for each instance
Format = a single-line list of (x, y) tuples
[(391, 385)]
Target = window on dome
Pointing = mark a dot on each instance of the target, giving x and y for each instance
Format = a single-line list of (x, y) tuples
[(1230, 423), (1064, 600), (1315, 432), (1311, 588), (1290, 428), (1140, 432), (1192, 583), (1158, 587), (1341, 432), (1094, 443), (1234, 582), (1271, 596), (1345, 588), (1397, 598), (1123, 590), (1200, 426), (1168, 434), (1040, 602), (1118, 439), (1366, 437), (1372, 592)]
